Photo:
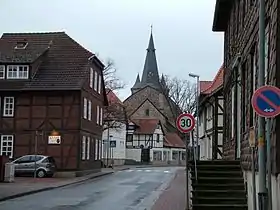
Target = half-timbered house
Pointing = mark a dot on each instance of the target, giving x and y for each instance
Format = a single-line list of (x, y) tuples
[(211, 117), (52, 98), (146, 142), (238, 19)]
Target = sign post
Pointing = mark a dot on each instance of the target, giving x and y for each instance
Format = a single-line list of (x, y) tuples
[(266, 103), (185, 123)]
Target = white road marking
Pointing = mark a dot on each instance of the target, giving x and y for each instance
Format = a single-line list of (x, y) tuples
[(139, 170), (166, 171), (130, 170), (148, 170)]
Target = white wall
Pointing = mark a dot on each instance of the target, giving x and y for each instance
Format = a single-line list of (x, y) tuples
[(133, 154), (275, 182), (118, 135)]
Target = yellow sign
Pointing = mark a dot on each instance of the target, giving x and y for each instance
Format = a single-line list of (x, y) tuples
[(252, 137)]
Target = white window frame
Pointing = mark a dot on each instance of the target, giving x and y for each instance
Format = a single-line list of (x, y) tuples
[(4, 148), (101, 116), (89, 109), (85, 108), (11, 68), (88, 148), (96, 150), (9, 107), (83, 148), (2, 71), (100, 149), (91, 78), (99, 84), (97, 115), (95, 80)]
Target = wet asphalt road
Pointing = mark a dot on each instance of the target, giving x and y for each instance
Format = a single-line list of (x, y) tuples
[(135, 189)]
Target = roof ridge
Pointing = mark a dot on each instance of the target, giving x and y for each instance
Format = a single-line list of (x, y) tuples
[(34, 33)]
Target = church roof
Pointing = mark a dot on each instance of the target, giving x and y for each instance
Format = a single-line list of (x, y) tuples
[(150, 75), (137, 83)]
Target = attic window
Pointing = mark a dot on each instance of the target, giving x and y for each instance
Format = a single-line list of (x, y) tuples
[(21, 45), (147, 112)]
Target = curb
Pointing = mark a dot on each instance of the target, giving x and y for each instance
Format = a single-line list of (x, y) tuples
[(51, 188)]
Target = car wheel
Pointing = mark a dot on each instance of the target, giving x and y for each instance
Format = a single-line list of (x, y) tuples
[(41, 173)]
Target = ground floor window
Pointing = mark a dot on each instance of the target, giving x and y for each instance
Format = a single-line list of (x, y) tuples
[(7, 142), (157, 155), (183, 155), (175, 155), (83, 151)]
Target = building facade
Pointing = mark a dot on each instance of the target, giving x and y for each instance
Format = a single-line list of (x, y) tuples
[(239, 22), (52, 98), (149, 101), (211, 117), (114, 131)]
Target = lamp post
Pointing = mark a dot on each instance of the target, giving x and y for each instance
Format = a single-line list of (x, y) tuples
[(197, 106)]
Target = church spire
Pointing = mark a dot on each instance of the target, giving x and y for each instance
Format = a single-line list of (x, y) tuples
[(136, 85), (150, 74)]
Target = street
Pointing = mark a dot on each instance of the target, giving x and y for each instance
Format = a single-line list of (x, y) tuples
[(137, 188)]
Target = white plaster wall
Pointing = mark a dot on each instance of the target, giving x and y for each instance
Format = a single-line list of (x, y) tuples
[(275, 182), (133, 154), (118, 135)]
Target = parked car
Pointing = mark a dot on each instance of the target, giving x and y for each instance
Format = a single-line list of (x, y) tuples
[(25, 165)]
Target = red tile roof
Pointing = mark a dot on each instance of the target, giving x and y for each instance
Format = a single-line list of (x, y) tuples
[(216, 83), (173, 140), (146, 126), (204, 85), (112, 97)]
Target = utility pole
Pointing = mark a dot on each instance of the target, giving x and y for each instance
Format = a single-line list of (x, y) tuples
[(262, 195), (108, 147)]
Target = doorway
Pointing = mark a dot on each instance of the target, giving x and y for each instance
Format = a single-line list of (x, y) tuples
[(145, 155)]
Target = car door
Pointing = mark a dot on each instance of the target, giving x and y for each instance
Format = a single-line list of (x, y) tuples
[(21, 164)]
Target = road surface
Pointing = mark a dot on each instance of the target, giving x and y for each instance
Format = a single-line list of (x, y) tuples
[(134, 189)]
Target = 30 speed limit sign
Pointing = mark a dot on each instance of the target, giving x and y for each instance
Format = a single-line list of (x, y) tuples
[(185, 123)]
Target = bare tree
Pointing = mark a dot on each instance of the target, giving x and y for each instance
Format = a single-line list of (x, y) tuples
[(114, 113), (112, 81), (182, 92)]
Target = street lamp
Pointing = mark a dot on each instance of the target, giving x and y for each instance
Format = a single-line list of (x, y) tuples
[(197, 107)]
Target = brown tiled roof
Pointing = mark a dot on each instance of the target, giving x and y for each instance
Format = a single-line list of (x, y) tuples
[(217, 82), (173, 140), (204, 85), (112, 97), (64, 62), (146, 126)]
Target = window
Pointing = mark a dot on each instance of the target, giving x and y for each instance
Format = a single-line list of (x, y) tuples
[(21, 45), (2, 71), (100, 149), (95, 81), (91, 78), (157, 155), (129, 137), (147, 112), (84, 148), (17, 72), (96, 149), (8, 107), (158, 137), (85, 108), (99, 84), (88, 148), (97, 115), (89, 110), (7, 142), (101, 116)]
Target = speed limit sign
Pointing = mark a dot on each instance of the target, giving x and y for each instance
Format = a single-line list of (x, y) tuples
[(185, 122)]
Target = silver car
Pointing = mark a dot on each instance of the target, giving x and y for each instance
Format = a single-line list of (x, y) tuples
[(25, 165)]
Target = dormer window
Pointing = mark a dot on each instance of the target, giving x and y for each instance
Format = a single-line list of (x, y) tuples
[(17, 72), (21, 45)]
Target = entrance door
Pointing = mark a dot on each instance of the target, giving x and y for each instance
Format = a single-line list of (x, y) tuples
[(145, 155)]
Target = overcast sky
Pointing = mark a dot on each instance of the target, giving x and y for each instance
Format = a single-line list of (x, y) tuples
[(120, 29)]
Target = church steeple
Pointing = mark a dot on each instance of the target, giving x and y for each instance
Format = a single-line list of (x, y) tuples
[(137, 85), (150, 74)]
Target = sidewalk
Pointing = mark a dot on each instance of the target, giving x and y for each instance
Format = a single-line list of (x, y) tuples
[(174, 197), (28, 185)]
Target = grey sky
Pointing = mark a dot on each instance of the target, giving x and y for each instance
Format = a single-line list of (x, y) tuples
[(120, 29)]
